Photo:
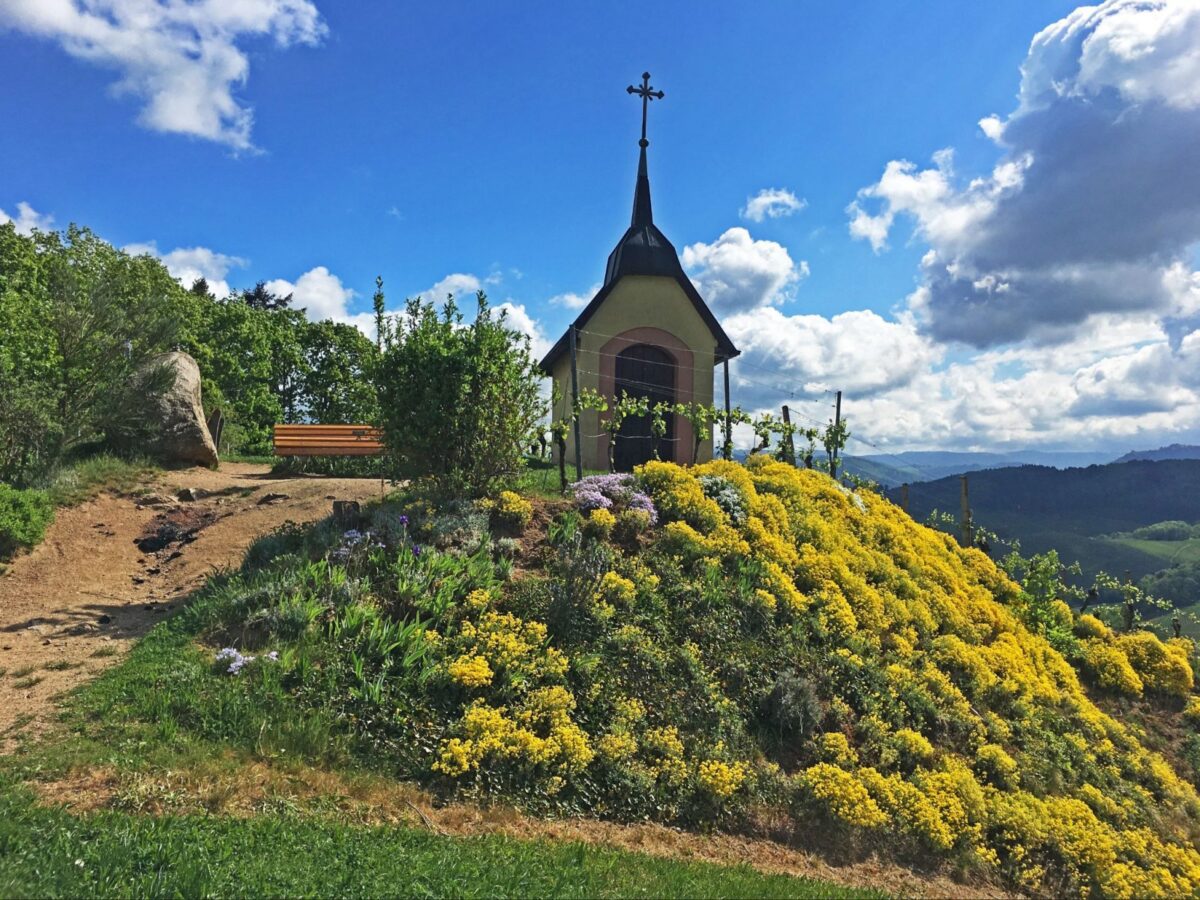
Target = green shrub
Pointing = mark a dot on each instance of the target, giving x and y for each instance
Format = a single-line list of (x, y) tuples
[(458, 403), (24, 516)]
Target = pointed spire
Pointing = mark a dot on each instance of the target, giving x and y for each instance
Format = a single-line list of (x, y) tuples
[(642, 213)]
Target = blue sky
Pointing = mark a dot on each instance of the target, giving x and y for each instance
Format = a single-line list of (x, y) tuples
[(496, 142)]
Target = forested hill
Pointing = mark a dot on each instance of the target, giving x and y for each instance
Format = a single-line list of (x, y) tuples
[(1095, 500), (1174, 451), (1064, 509)]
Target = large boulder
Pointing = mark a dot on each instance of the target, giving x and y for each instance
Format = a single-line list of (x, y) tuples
[(175, 415)]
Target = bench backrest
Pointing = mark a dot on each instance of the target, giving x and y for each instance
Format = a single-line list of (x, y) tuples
[(327, 440)]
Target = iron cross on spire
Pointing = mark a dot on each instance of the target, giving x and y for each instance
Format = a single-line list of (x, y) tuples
[(647, 94)]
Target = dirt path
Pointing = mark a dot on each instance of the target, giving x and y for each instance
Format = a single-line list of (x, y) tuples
[(76, 603)]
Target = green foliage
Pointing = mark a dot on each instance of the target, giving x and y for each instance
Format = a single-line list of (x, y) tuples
[(1179, 584), (24, 516), (458, 402), (77, 319), (1174, 530)]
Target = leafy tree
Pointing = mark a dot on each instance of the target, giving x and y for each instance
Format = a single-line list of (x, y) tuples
[(338, 374), (250, 359), (458, 402), (258, 297), (201, 289), (29, 361)]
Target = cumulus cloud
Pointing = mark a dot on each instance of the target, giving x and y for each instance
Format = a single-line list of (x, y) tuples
[(187, 264), (321, 295), (572, 300), (461, 285), (519, 318), (27, 219), (1096, 202), (772, 203), (858, 351), (181, 60), (736, 272)]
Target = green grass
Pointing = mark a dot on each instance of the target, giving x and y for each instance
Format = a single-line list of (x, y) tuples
[(50, 853), (79, 481), (1171, 552)]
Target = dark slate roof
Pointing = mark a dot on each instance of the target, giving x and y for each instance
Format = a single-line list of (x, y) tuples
[(644, 250)]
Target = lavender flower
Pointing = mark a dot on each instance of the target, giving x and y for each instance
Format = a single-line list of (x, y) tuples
[(237, 661), (591, 499), (616, 491)]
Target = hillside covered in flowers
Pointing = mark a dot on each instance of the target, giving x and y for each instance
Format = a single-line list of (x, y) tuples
[(748, 647)]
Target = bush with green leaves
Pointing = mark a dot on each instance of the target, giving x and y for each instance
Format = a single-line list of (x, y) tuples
[(458, 401), (24, 516)]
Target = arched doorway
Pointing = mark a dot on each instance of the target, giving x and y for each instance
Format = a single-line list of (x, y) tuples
[(647, 371)]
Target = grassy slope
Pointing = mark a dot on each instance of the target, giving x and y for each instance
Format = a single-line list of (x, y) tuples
[(161, 712), (1170, 552), (46, 852)]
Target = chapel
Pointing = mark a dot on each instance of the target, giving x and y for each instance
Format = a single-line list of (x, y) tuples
[(647, 332)]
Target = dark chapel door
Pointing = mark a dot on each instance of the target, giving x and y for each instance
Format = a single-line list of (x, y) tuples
[(644, 371)]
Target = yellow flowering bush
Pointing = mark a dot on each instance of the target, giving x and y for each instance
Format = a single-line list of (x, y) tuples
[(1191, 712), (511, 510), (471, 671), (1162, 667), (781, 645), (719, 778), (1110, 667), (997, 767), (599, 524), (617, 589), (1088, 626), (833, 747), (842, 796)]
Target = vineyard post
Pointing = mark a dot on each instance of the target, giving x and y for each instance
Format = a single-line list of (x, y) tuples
[(728, 448), (575, 406), (789, 446), (965, 510), (837, 422)]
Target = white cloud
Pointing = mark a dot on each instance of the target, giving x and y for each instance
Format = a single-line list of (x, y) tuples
[(187, 264), (857, 351), (180, 59), (772, 203), (736, 272), (518, 318), (321, 294), (572, 300), (461, 285), (27, 219), (993, 127), (1094, 208)]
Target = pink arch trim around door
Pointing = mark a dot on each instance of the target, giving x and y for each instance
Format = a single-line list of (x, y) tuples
[(683, 358)]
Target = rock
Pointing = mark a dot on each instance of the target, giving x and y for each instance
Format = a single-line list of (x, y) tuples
[(175, 415), (155, 500), (187, 495)]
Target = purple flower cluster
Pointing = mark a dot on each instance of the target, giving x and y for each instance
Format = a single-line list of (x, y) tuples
[(353, 540), (618, 491), (238, 661)]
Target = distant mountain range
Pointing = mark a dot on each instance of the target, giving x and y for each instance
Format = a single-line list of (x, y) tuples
[(1072, 510), (910, 467), (1174, 451)]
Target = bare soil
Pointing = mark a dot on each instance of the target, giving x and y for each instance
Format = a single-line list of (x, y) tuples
[(113, 567)]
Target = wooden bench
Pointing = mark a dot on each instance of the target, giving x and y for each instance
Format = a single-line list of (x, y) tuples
[(327, 440)]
